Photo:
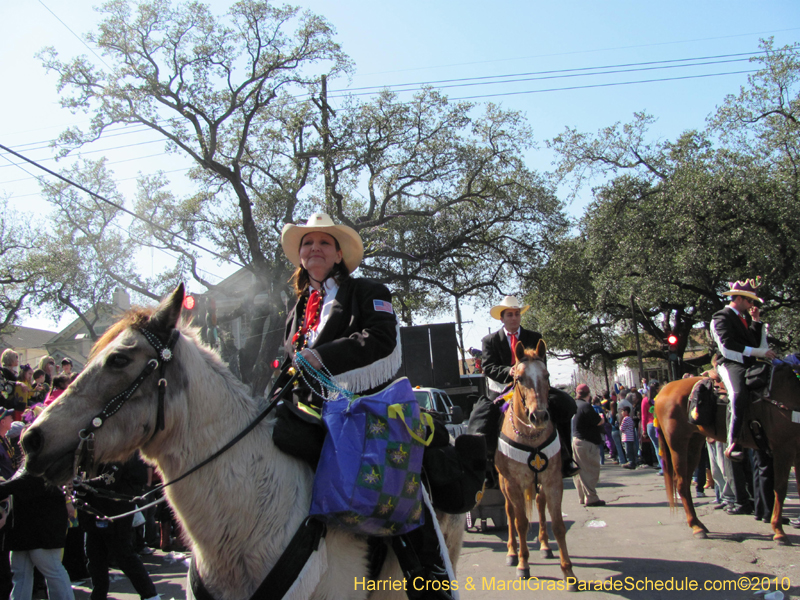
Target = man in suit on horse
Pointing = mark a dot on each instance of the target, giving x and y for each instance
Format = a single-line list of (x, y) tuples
[(498, 358), (741, 338)]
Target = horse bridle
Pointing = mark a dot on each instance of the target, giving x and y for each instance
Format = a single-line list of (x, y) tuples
[(164, 354)]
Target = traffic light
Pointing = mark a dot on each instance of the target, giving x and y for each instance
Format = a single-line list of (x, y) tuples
[(672, 340), (189, 304)]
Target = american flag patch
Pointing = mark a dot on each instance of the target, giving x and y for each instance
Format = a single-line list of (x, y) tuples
[(382, 306)]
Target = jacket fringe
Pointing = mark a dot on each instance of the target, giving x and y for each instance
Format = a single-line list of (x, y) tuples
[(375, 374)]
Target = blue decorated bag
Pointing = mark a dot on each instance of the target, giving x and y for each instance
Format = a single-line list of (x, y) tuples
[(368, 478)]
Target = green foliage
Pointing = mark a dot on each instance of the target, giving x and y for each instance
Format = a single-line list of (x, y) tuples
[(677, 221)]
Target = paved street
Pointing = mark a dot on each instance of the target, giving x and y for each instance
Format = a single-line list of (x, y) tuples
[(634, 536)]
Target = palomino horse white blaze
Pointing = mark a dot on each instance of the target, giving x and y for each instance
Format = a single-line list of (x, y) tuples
[(239, 511), (529, 463)]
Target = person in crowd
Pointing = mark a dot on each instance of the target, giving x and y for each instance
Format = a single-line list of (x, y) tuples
[(41, 389), (741, 337), (8, 453), (60, 384), (607, 437), (113, 540), (9, 378), (36, 537), (587, 430), (648, 421), (498, 359), (721, 473), (48, 365), (614, 420), (25, 391), (627, 430), (700, 473), (66, 367), (742, 484), (764, 487)]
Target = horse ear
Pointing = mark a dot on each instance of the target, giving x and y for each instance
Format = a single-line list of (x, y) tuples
[(541, 349), (519, 351), (169, 311)]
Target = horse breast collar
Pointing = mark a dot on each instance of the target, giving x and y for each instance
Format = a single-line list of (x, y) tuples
[(536, 457), (165, 355)]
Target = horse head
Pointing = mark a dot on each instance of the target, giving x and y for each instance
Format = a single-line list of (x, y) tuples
[(120, 358), (531, 385)]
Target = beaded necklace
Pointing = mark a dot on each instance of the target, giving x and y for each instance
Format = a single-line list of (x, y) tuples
[(300, 339)]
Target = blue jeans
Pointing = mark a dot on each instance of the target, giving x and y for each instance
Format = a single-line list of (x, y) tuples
[(617, 437), (652, 433), (49, 564), (630, 452)]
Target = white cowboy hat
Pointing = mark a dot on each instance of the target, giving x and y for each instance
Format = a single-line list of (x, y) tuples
[(508, 302), (349, 241)]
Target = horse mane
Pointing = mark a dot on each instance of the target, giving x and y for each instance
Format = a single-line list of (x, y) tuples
[(136, 318), (530, 353)]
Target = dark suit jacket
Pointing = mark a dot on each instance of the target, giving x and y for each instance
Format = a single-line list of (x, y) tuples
[(497, 353), (732, 336), (356, 335)]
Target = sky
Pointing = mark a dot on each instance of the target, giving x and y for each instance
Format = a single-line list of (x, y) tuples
[(551, 46)]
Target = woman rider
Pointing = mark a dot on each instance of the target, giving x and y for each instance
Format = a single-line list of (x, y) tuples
[(346, 327), (341, 325)]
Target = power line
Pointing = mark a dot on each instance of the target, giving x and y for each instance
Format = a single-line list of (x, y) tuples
[(632, 47), (564, 76), (602, 85), (118, 206), (161, 141), (557, 71), (100, 58)]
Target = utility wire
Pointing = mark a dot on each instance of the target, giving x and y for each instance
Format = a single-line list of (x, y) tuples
[(602, 85), (119, 207), (565, 76), (558, 71), (632, 47), (100, 58)]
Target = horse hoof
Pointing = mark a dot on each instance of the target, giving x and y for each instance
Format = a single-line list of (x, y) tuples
[(524, 573), (546, 553), (700, 535), (572, 587), (512, 561)]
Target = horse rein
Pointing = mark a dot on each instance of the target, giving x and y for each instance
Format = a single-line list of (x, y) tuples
[(165, 353)]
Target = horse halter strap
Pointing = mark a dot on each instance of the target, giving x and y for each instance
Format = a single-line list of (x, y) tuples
[(165, 355)]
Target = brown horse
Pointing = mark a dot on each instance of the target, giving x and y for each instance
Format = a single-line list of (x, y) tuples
[(684, 441), (529, 463)]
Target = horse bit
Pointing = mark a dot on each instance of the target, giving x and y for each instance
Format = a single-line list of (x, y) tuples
[(164, 352)]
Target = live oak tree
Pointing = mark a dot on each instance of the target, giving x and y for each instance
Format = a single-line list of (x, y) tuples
[(437, 189), (677, 221), (19, 238)]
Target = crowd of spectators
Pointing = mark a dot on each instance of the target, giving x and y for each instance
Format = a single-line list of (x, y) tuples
[(43, 536), (628, 434)]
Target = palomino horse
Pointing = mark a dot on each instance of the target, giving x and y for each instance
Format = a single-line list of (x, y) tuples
[(239, 511), (529, 463), (684, 441)]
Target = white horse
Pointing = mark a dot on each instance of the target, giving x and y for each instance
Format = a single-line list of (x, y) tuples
[(241, 510)]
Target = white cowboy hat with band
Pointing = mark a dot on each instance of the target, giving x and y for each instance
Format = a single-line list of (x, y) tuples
[(746, 288), (508, 302), (349, 241)]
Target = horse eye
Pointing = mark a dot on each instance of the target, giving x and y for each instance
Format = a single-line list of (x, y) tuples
[(118, 361)]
